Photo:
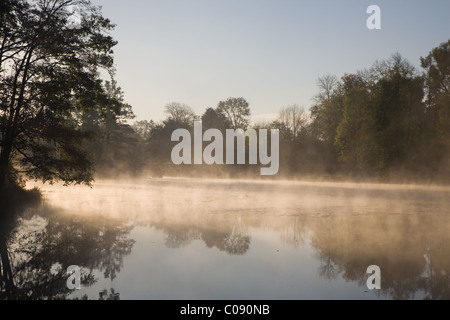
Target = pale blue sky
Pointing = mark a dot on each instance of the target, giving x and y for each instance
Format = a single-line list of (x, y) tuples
[(270, 52)]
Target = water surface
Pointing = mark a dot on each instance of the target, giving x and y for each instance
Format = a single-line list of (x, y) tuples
[(225, 239)]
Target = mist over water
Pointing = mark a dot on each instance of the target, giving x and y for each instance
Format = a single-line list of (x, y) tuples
[(237, 239)]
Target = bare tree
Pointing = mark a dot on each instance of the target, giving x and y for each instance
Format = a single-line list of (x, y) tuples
[(293, 120), (327, 84), (179, 112)]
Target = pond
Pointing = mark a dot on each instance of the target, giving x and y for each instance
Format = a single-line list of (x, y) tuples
[(230, 239)]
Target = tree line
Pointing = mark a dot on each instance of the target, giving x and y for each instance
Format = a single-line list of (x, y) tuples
[(390, 121), (60, 120)]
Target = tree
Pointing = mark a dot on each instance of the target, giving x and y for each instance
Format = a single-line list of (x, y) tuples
[(212, 119), (437, 67), (49, 70), (437, 86), (236, 111), (396, 118), (327, 111), (351, 138), (144, 129), (327, 85), (292, 121), (181, 113), (113, 142), (382, 116)]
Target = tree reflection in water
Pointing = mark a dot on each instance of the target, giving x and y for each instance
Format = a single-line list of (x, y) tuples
[(227, 235), (411, 251), (36, 251)]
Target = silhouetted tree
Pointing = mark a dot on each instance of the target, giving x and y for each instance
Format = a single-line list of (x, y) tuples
[(144, 128), (182, 113), (49, 69), (212, 119), (113, 141), (327, 111), (437, 88), (236, 111), (327, 85), (292, 122)]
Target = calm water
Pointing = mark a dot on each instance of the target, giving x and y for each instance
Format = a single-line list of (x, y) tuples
[(223, 239)]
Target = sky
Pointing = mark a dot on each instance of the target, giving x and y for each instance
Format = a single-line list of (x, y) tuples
[(271, 52)]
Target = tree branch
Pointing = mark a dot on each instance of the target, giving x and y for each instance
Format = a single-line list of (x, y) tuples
[(46, 170)]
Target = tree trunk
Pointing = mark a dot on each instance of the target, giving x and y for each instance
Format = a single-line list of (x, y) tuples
[(14, 114), (3, 173), (4, 165), (7, 275)]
